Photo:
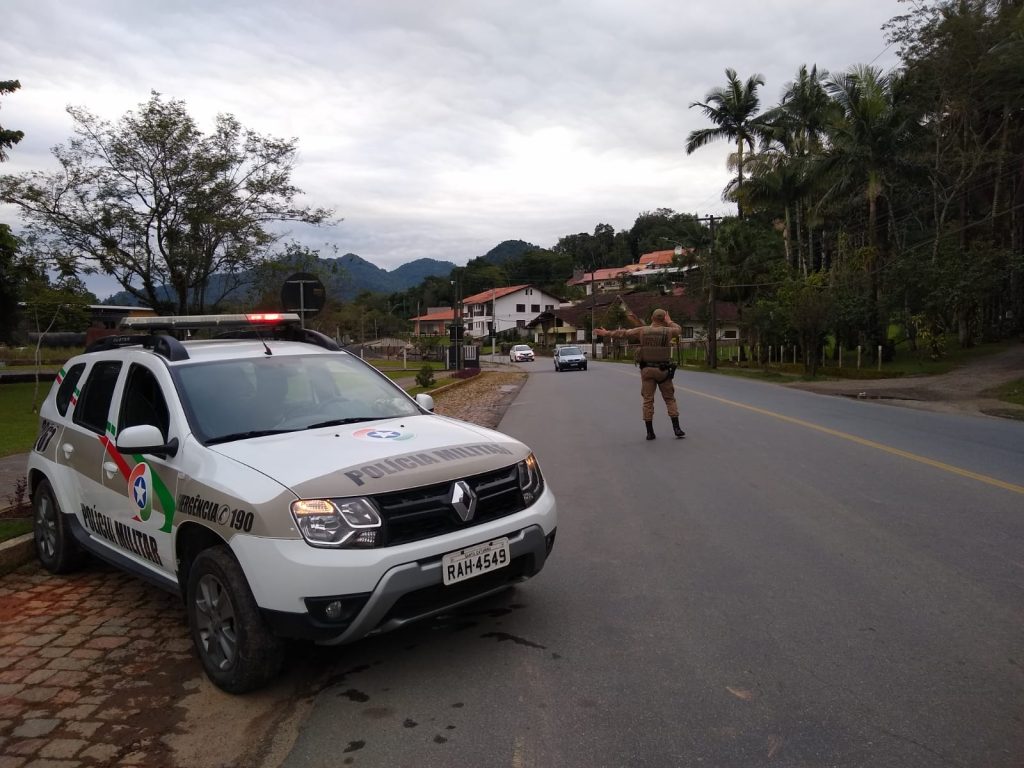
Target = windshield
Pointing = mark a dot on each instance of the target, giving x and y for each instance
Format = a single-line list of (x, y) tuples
[(236, 399), (521, 348), (570, 351)]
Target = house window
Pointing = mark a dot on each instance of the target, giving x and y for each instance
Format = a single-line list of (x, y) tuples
[(520, 323), (548, 307), (688, 332), (535, 307), (520, 307), (730, 334)]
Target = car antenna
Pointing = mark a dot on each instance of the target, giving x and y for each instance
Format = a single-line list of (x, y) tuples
[(262, 340)]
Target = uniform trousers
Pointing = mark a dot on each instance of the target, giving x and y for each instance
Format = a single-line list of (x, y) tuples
[(655, 378)]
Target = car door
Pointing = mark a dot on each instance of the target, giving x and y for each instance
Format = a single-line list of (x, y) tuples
[(139, 490), (82, 447)]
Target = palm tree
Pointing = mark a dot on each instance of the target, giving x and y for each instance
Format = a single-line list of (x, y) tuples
[(733, 110), (792, 138), (871, 142), (870, 137)]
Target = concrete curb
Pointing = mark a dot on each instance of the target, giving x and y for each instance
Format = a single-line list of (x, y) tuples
[(16, 552)]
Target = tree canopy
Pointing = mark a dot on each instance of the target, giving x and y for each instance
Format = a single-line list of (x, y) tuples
[(153, 201)]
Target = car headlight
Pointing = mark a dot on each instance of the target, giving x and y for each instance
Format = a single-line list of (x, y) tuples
[(530, 481), (351, 522)]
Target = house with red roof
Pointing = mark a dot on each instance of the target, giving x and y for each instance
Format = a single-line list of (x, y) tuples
[(613, 279), (509, 307), (434, 323)]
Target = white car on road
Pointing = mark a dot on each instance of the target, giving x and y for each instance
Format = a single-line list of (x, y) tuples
[(521, 353)]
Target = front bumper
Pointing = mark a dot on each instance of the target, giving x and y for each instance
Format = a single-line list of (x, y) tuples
[(415, 591), (389, 586)]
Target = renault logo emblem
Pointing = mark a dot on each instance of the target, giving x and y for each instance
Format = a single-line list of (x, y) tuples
[(463, 501)]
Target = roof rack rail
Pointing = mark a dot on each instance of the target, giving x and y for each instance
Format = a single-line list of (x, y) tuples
[(164, 345)]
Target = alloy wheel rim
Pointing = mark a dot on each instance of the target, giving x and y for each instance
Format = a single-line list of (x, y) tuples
[(46, 526), (215, 620)]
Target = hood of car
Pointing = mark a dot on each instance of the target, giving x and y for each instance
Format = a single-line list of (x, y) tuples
[(376, 456)]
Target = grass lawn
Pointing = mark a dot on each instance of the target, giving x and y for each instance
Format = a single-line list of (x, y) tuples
[(10, 529), (1010, 392), (20, 424)]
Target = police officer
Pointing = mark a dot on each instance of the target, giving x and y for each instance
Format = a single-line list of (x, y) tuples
[(656, 367)]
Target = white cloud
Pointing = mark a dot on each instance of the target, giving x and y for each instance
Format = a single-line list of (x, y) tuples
[(438, 129)]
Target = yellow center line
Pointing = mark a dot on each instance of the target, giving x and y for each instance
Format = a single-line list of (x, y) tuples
[(869, 443)]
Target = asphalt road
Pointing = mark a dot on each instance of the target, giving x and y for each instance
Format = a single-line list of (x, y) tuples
[(802, 581)]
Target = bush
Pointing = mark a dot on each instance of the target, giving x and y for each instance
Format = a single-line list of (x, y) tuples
[(425, 378)]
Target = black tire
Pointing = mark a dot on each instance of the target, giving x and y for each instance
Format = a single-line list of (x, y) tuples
[(584, 368), (56, 548), (236, 648)]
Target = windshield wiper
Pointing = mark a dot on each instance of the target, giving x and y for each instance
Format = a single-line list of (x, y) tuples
[(350, 420), (246, 435)]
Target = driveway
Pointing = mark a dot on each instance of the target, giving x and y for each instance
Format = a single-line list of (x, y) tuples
[(959, 391)]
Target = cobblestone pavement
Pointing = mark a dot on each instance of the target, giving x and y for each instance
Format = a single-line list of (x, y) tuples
[(90, 665), (97, 667)]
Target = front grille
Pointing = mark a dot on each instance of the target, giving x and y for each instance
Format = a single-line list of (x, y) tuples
[(439, 596), (421, 513)]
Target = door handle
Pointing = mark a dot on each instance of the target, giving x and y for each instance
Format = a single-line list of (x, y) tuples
[(68, 449), (110, 468)]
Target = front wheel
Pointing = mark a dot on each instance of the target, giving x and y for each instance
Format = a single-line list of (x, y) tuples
[(236, 648), (55, 546)]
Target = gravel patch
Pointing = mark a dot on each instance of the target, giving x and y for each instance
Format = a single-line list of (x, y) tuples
[(481, 400)]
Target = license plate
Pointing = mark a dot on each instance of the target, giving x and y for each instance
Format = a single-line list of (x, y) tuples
[(472, 561)]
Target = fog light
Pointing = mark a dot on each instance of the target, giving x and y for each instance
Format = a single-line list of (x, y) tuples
[(334, 610)]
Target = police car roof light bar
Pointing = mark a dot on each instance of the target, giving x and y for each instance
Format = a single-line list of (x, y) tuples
[(183, 322)]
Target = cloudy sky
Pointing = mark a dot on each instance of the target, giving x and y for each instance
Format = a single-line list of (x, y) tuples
[(437, 129)]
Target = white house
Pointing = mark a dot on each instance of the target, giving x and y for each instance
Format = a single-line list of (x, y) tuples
[(510, 307)]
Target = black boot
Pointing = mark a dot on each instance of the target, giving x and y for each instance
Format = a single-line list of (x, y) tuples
[(650, 429), (676, 428)]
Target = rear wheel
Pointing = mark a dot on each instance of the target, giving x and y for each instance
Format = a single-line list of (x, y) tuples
[(234, 644), (55, 546)]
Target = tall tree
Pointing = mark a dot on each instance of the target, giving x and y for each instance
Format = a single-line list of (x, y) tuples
[(871, 148), (8, 138), (11, 273), (734, 111), (153, 201)]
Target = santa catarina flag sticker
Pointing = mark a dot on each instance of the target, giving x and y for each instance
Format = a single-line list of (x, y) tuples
[(140, 491)]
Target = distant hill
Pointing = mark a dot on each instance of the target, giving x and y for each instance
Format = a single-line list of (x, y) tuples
[(508, 250), (356, 275)]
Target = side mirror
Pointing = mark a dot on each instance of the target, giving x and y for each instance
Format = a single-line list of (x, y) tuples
[(425, 401), (146, 438)]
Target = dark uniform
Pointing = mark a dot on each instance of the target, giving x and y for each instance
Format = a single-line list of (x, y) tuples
[(654, 356)]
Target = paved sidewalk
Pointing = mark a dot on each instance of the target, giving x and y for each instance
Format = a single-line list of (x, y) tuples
[(91, 665)]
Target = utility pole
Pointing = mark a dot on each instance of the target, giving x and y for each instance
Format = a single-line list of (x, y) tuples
[(593, 303), (713, 320)]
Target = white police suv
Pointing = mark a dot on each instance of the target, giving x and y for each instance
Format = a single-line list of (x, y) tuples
[(282, 486)]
